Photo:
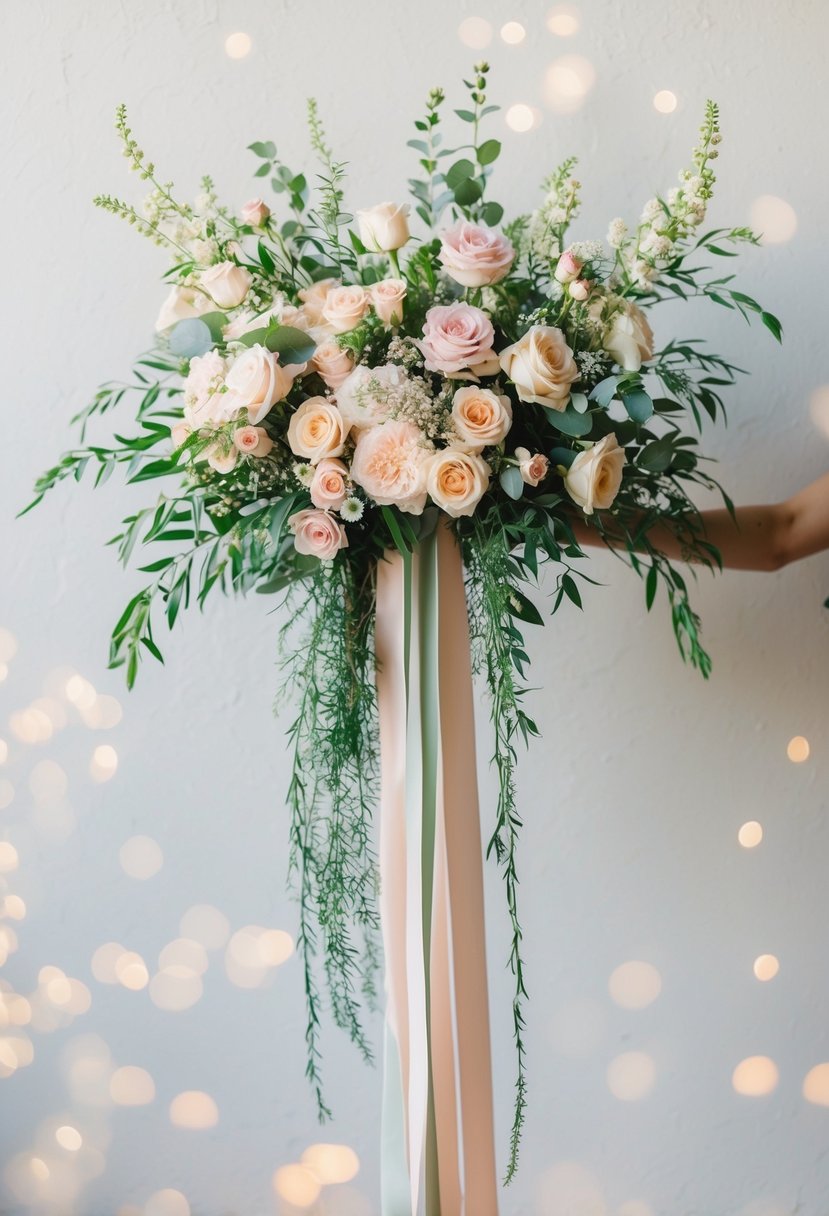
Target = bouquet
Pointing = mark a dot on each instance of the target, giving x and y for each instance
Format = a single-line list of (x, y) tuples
[(326, 388)]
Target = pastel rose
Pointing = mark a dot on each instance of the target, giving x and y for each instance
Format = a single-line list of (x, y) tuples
[(455, 337), (255, 212), (568, 267), (474, 255), (205, 401), (594, 477), (345, 307), (629, 340), (180, 304), (328, 487), (541, 366), (389, 463), (532, 467), (363, 398), (480, 418), (384, 227), (333, 363), (245, 321), (223, 460), (226, 283), (580, 289), (457, 481), (317, 534), (252, 441), (387, 298), (314, 297), (256, 381), (180, 432), (317, 430)]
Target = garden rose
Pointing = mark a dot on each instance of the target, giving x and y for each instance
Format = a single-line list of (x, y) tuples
[(205, 402), (363, 397), (456, 337), (255, 212), (314, 297), (180, 304), (629, 338), (252, 441), (568, 267), (317, 534), (333, 363), (222, 459), (532, 467), (457, 481), (345, 307), (594, 477), (256, 381), (389, 463), (541, 366), (328, 486), (226, 283), (180, 432), (387, 298), (474, 255), (480, 417), (317, 430), (384, 227)]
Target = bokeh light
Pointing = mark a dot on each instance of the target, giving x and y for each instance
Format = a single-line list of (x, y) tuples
[(9, 859), (567, 82), (750, 834), (4, 751), (8, 645), (6, 793), (563, 21), (105, 962), (183, 952), (205, 924), (766, 967), (141, 857), (636, 1207), (476, 33), (635, 985), (175, 989), (331, 1163), (13, 907), (131, 971), (131, 1086), (297, 1185), (238, 45), (521, 117), (48, 782), (773, 219), (69, 1138), (168, 1202), (755, 1076), (665, 101), (194, 1110), (513, 33), (798, 749), (253, 951), (631, 1075), (816, 1085), (568, 1188), (104, 763)]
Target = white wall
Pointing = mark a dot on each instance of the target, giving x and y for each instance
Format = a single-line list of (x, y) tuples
[(634, 798)]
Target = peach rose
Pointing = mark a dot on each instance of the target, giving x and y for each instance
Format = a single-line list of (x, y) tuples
[(594, 477), (456, 337), (384, 227), (333, 363), (532, 467), (457, 481), (345, 307), (363, 398), (317, 534), (314, 297), (317, 430), (255, 212), (252, 441), (480, 418), (541, 366), (180, 304), (474, 255), (226, 283), (389, 463), (387, 298), (630, 338), (328, 487)]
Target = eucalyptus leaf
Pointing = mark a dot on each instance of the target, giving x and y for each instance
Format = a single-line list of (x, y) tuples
[(492, 213), (489, 151), (459, 172), (191, 337), (569, 422), (605, 391), (511, 481), (266, 149), (638, 404), (468, 192), (579, 402), (292, 345), (563, 456)]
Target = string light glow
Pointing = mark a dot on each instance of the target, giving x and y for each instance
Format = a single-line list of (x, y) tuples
[(331, 1163), (205, 924), (798, 749), (131, 1086), (773, 219), (567, 82), (635, 985), (141, 857), (6, 793), (755, 1076), (194, 1110), (167, 1203), (9, 859), (69, 1138), (513, 33), (766, 967), (563, 21), (816, 1085), (476, 33), (297, 1185), (4, 751), (750, 834), (104, 763), (631, 1076), (520, 117), (665, 101), (238, 45)]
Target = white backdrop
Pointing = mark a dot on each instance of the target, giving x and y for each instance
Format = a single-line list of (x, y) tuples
[(633, 800)]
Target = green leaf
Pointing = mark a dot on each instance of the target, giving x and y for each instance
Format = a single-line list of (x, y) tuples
[(267, 262), (492, 214), (579, 402), (459, 172), (568, 586), (468, 192), (523, 608), (563, 456), (605, 391), (651, 583), (657, 456), (263, 170), (393, 524), (489, 151), (569, 422), (292, 345), (772, 325), (465, 115), (638, 405), (265, 149), (512, 483)]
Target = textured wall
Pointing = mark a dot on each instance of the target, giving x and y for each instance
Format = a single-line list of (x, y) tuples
[(634, 799)]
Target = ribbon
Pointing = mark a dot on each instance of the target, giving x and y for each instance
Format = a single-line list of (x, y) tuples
[(437, 1144)]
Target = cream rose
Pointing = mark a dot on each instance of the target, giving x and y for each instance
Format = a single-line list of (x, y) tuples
[(205, 401), (533, 467), (317, 534), (387, 298), (594, 477), (333, 363), (328, 486), (180, 304), (226, 283), (629, 339), (389, 463), (252, 441), (314, 297), (480, 418), (255, 212), (457, 481), (384, 227), (474, 255), (541, 366), (363, 398), (345, 307), (256, 381), (317, 430), (222, 459)]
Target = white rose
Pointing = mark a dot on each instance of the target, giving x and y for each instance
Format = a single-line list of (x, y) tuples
[(457, 481), (541, 366), (226, 283), (256, 381), (629, 339), (363, 397), (182, 303), (594, 477), (384, 227)]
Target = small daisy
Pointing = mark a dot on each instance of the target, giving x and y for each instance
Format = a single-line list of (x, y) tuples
[(352, 509)]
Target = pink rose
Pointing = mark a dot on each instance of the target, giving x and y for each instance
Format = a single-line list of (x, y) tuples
[(333, 363), (317, 534), (474, 255), (345, 307), (387, 297), (568, 268), (389, 463), (328, 487), (580, 289), (255, 212), (532, 467), (456, 337), (252, 441)]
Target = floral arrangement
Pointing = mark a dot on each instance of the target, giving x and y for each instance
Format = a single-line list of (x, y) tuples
[(323, 389)]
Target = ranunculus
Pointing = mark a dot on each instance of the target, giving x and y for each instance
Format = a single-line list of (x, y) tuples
[(256, 381), (181, 303), (480, 418), (333, 363), (389, 463), (345, 307), (328, 487), (363, 397), (252, 441), (384, 227), (317, 534), (387, 297), (541, 366), (255, 212), (226, 283), (317, 430), (456, 337), (474, 255), (457, 481), (568, 267), (314, 297), (533, 467), (629, 338), (222, 459), (594, 477), (205, 401)]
